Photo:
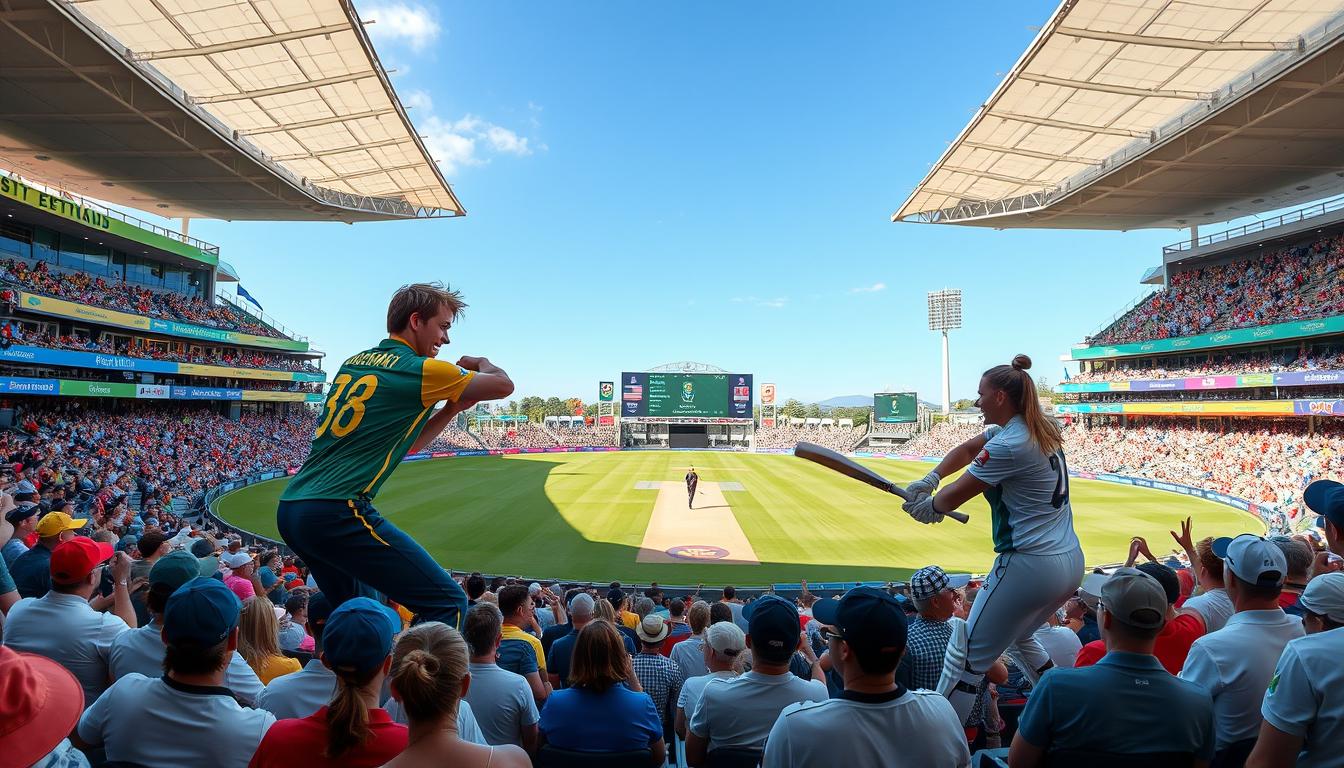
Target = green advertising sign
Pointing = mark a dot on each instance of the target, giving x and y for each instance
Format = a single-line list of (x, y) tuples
[(96, 389), (1261, 334), (90, 217)]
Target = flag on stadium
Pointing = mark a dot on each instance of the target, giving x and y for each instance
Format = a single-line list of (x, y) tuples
[(632, 392), (243, 294)]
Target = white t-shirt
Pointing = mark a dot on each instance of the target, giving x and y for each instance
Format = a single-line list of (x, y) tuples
[(66, 630), (505, 699), (739, 711), (1061, 643), (1235, 665), (694, 686), (1028, 494), (918, 728), (467, 727), (299, 694), (1306, 697), (141, 650), (159, 722), (1214, 606)]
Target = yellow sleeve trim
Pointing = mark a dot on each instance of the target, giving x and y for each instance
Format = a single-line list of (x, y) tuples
[(442, 381)]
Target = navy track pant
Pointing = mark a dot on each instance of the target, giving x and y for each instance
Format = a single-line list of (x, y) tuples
[(348, 545)]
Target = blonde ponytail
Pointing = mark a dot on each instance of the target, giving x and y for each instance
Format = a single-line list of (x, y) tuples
[(429, 662), (1014, 380)]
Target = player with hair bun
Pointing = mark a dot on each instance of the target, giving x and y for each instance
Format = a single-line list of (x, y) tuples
[(1018, 464)]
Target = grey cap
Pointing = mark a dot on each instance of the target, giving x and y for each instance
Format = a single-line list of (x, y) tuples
[(581, 605), (1134, 598)]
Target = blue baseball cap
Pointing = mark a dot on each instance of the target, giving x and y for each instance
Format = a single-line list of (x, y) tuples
[(1326, 498), (869, 620), (773, 625), (358, 635), (201, 612)]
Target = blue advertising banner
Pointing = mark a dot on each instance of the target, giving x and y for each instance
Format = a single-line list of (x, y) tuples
[(74, 359), (205, 393), (22, 386)]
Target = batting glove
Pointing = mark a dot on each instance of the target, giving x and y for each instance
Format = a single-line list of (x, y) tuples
[(922, 510), (927, 485)]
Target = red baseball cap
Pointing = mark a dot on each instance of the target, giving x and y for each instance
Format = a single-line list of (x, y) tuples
[(72, 561), (40, 702)]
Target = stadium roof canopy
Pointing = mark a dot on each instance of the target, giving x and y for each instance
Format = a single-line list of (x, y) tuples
[(1126, 114), (230, 109)]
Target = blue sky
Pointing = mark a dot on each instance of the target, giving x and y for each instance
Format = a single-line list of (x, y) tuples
[(699, 181)]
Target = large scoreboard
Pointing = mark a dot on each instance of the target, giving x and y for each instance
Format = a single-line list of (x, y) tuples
[(686, 395), (895, 407)]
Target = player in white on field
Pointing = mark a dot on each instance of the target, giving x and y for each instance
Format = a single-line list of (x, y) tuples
[(1018, 464)]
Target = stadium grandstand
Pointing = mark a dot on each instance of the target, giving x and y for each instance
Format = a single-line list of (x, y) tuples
[(143, 627)]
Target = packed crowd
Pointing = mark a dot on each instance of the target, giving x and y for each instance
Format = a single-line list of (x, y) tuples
[(1315, 359), (1297, 283), (84, 288), (209, 355), (1267, 462), (786, 436), (515, 434), (941, 439), (584, 435), (454, 438), (184, 647)]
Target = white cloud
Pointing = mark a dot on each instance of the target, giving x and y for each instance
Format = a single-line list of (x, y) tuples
[(455, 144), (418, 99), (775, 303), (411, 23), (874, 288)]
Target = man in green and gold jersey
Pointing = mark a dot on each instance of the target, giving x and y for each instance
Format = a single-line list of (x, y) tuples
[(379, 408)]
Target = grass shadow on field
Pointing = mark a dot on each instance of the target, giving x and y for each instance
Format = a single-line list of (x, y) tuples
[(463, 513)]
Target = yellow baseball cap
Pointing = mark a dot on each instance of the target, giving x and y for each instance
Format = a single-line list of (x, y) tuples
[(54, 523)]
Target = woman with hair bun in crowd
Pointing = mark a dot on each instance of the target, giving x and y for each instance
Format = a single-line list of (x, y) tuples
[(429, 679), (1018, 465)]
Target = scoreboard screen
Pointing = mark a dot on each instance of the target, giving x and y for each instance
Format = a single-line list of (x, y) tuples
[(895, 408), (688, 395)]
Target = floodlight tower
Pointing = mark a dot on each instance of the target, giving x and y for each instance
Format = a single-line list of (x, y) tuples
[(944, 316)]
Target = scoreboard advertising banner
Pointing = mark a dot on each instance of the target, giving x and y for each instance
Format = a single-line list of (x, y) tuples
[(895, 408), (686, 395)]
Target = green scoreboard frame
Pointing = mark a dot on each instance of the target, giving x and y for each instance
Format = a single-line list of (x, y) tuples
[(895, 408)]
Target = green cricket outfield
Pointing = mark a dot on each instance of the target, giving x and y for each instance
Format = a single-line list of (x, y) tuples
[(621, 516)]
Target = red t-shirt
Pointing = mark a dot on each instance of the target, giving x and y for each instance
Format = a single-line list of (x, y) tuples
[(303, 741), (1172, 646), (1288, 599)]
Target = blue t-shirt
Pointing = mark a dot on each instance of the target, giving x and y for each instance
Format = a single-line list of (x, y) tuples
[(1109, 706), (517, 656), (31, 572), (617, 720), (562, 652)]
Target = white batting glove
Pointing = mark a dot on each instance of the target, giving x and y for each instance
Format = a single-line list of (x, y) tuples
[(922, 510), (928, 484)]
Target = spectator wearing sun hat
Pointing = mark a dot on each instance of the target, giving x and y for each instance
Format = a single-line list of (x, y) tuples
[(24, 519), (723, 644), (62, 626), (142, 650), (353, 731), (41, 704), (659, 676), (187, 716), (242, 578), (1236, 663), (1125, 704), (740, 712), (32, 570), (875, 720), (1303, 708)]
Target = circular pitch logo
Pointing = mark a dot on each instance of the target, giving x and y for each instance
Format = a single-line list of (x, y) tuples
[(698, 552)]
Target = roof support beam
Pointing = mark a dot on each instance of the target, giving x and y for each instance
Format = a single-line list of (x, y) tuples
[(1083, 127), (1032, 153), (994, 176), (1123, 90), (341, 150), (1182, 43), (238, 45), (318, 122), (279, 89)]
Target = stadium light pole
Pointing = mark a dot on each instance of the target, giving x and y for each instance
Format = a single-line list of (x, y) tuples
[(944, 316)]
